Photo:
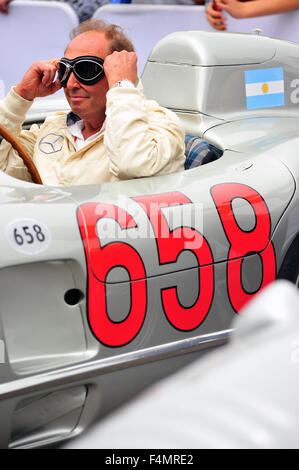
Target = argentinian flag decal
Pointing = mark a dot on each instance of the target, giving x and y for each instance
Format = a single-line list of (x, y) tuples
[(264, 88)]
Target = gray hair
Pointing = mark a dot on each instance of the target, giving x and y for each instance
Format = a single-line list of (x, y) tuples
[(117, 39)]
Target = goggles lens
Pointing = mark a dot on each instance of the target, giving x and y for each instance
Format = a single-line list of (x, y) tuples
[(87, 69)]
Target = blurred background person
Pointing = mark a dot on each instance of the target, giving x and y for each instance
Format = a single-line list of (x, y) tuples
[(83, 8), (4, 6), (86, 8), (215, 10), (169, 2)]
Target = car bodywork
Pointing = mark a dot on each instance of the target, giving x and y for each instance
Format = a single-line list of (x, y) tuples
[(241, 396), (107, 288)]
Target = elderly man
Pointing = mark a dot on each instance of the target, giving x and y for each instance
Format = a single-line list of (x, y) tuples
[(113, 132)]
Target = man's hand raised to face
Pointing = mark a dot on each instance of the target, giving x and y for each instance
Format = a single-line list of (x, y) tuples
[(120, 66), (39, 80)]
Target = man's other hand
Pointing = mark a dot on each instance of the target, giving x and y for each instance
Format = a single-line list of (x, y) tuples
[(120, 66)]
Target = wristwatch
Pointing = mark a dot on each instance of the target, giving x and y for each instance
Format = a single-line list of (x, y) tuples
[(123, 84)]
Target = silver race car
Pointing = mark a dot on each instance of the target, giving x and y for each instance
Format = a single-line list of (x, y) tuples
[(107, 288)]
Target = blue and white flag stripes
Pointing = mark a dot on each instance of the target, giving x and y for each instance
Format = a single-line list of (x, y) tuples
[(264, 88)]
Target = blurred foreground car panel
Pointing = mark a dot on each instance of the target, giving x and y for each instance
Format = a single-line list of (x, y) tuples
[(242, 396)]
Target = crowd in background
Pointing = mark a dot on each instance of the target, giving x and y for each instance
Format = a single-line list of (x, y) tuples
[(215, 9), (86, 8)]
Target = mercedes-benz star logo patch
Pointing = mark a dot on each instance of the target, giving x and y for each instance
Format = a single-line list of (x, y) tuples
[(51, 143)]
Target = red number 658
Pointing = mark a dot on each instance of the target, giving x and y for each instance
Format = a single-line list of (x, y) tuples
[(170, 244)]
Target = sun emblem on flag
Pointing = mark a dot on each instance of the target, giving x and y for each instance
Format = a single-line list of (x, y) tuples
[(265, 88)]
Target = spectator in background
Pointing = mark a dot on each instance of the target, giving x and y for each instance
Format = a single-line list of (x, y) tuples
[(4, 6), (86, 8), (168, 2), (83, 8), (245, 9)]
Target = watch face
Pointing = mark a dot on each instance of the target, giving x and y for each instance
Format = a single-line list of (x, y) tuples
[(126, 84)]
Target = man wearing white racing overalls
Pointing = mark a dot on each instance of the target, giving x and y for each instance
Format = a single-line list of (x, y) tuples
[(113, 132)]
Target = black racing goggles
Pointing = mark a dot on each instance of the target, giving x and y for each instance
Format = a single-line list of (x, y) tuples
[(88, 69)]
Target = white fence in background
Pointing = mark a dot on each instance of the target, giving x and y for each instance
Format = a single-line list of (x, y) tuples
[(32, 30)]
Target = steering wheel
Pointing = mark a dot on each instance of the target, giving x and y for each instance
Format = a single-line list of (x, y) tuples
[(7, 135)]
